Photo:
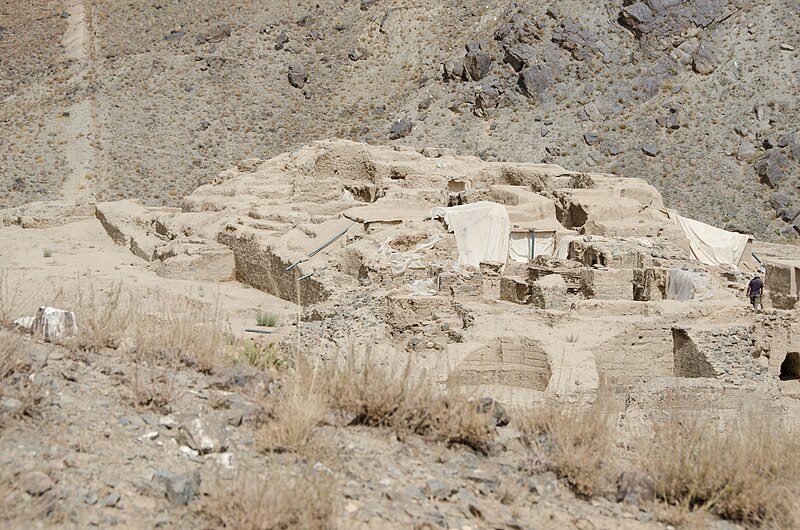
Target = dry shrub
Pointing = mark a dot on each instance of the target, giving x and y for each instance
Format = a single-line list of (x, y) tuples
[(294, 412), (17, 383), (390, 399), (280, 500), (156, 389), (750, 473), (102, 318), (180, 329), (574, 444), (10, 298)]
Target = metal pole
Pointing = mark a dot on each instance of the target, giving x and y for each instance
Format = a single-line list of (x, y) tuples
[(319, 248)]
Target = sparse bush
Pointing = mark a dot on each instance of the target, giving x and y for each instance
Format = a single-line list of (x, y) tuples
[(103, 320), (11, 294), (748, 474), (279, 500), (184, 330), (23, 391), (156, 390), (269, 320), (294, 412), (47, 253), (259, 355), (574, 444), (390, 399)]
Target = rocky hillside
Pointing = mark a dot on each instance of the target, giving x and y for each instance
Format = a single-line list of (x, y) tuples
[(149, 100)]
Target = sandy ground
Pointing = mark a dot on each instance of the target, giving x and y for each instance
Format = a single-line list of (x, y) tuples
[(84, 255)]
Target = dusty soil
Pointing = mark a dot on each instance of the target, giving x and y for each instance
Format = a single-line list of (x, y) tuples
[(90, 457)]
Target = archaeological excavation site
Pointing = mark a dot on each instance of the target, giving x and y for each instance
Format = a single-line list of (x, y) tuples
[(514, 286), (522, 282)]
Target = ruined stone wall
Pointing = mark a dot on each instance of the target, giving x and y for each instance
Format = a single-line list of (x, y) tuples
[(641, 353), (259, 266), (725, 352), (511, 361)]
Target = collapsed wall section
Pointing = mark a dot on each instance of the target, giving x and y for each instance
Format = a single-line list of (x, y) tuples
[(717, 351), (260, 266)]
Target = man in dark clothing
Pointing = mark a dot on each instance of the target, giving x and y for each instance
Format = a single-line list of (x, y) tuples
[(755, 289)]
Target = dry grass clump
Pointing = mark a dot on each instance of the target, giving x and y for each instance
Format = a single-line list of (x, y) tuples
[(23, 393), (384, 398), (373, 397), (574, 444), (10, 294), (280, 500), (294, 412), (749, 474), (180, 329), (103, 318), (156, 389)]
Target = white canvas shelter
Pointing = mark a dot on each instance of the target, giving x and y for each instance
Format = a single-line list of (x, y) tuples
[(712, 245), (481, 231), (527, 243)]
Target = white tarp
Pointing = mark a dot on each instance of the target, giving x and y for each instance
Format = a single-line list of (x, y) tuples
[(686, 285), (481, 231), (524, 246), (399, 262), (562, 250), (712, 245)]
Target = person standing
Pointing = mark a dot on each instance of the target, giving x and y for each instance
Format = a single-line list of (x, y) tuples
[(755, 290)]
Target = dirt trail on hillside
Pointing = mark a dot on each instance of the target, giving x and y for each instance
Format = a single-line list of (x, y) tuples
[(78, 123)]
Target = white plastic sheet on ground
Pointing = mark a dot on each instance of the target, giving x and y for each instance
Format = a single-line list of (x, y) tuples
[(686, 285), (481, 231), (520, 243), (712, 245), (399, 262)]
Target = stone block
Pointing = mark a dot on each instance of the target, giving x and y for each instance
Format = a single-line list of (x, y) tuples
[(649, 284), (549, 293), (607, 284), (515, 289), (609, 254), (570, 275), (782, 277)]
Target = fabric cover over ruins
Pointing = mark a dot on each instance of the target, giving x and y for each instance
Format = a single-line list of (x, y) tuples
[(523, 282)]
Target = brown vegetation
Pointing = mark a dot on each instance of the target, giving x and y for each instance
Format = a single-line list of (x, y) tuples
[(275, 500), (21, 392), (574, 444), (748, 473)]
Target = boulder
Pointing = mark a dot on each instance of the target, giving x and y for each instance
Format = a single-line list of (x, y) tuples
[(706, 58), (771, 167), (298, 75), (518, 55), (477, 64), (650, 149), (204, 434), (51, 323), (281, 40), (454, 70), (400, 129), (534, 80), (358, 54)]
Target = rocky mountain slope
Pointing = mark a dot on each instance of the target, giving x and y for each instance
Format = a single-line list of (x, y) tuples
[(110, 100)]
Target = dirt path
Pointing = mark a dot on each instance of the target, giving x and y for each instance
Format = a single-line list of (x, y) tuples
[(78, 123)]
